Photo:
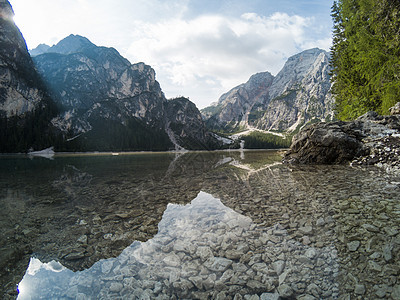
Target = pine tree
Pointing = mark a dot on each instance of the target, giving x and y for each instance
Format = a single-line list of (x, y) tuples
[(365, 56)]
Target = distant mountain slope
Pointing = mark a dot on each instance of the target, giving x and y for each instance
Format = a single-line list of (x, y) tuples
[(298, 94), (42, 48), (111, 104), (25, 107), (233, 106)]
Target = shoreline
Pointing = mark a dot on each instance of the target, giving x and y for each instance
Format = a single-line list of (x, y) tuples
[(125, 153)]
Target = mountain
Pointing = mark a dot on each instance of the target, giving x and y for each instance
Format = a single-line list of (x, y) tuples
[(25, 106), (42, 48), (186, 127), (108, 103), (299, 93)]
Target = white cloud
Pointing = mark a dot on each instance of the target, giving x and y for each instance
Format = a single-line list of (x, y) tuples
[(199, 57), (208, 55)]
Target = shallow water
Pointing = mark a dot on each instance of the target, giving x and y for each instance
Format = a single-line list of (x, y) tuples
[(215, 225)]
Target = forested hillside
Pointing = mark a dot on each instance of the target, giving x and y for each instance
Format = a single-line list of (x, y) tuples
[(365, 56)]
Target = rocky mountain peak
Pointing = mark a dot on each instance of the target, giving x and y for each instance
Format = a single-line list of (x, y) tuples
[(25, 107), (185, 125), (10, 33), (81, 74), (6, 11), (299, 93), (100, 90), (40, 49), (296, 69), (71, 44), (19, 82)]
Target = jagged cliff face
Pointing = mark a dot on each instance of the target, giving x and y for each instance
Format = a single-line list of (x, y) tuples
[(299, 94), (185, 121), (19, 83), (232, 107), (25, 106), (97, 86)]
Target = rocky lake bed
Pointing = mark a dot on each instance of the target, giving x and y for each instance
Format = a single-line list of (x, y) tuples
[(222, 225)]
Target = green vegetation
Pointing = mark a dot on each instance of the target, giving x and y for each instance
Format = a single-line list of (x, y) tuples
[(30, 131), (259, 140), (110, 135), (365, 56)]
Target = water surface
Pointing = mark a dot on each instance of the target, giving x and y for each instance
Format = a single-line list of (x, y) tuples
[(201, 225)]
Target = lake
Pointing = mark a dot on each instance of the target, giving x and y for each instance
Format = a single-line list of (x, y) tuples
[(199, 225)]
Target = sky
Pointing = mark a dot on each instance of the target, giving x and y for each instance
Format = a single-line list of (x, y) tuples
[(199, 49)]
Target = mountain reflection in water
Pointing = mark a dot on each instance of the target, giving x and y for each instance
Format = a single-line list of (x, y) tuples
[(299, 231), (200, 247)]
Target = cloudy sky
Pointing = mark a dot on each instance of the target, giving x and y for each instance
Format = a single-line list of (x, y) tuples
[(199, 48)]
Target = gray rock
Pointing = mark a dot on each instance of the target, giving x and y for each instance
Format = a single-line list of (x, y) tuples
[(395, 110), (324, 143), (116, 287), (172, 260), (81, 296), (83, 239), (238, 297), (311, 253), (374, 266), (197, 281), (285, 291), (233, 254), (218, 264), (157, 288), (353, 245), (75, 256), (306, 229), (283, 276), (252, 297), (278, 266), (269, 296), (204, 253), (254, 284), (320, 222), (145, 296), (391, 231), (314, 290), (174, 276), (228, 274), (370, 228), (343, 142), (396, 292), (221, 296), (387, 252), (306, 297), (359, 289), (239, 267), (209, 282), (306, 240), (260, 267), (382, 290)]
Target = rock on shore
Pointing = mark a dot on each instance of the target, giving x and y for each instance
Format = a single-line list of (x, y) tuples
[(369, 140)]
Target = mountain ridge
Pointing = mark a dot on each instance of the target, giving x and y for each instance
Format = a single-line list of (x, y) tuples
[(25, 105), (96, 85), (298, 94)]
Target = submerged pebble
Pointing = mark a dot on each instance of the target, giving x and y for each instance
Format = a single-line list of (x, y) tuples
[(302, 232)]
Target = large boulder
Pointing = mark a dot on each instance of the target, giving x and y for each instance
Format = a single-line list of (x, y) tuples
[(341, 142), (326, 143)]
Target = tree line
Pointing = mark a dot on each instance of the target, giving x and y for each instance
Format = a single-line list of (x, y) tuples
[(365, 56)]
